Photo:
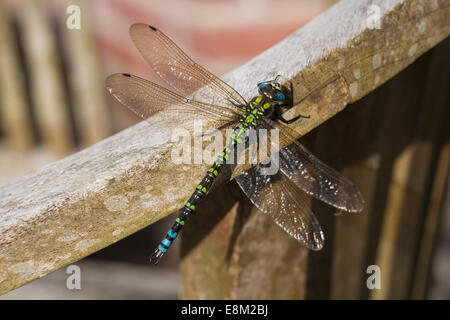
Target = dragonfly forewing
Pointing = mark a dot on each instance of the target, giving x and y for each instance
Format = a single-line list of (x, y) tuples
[(146, 99), (178, 70)]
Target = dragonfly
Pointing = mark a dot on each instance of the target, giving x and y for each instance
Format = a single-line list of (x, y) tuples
[(198, 94)]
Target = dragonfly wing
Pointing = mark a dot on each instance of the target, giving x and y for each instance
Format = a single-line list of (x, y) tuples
[(312, 175), (146, 98), (179, 71), (279, 198)]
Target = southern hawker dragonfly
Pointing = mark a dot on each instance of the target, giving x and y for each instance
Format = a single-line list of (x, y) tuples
[(277, 195)]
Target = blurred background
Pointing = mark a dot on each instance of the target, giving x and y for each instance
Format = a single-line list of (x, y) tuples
[(53, 103)]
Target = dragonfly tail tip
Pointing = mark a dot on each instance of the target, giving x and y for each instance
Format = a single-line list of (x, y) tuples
[(156, 256)]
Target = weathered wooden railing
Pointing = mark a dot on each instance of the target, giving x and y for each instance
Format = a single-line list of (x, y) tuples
[(76, 206)]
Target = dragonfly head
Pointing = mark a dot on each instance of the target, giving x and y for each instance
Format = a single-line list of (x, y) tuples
[(275, 91)]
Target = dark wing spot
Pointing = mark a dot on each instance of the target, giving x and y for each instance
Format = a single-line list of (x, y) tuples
[(126, 75), (152, 27)]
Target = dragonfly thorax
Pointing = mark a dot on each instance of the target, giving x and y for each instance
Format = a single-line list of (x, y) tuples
[(255, 110)]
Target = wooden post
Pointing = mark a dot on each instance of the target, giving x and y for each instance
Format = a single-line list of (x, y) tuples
[(86, 78), (14, 115), (413, 169), (47, 83)]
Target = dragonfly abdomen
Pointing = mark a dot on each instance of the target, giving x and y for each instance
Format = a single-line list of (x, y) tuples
[(200, 191)]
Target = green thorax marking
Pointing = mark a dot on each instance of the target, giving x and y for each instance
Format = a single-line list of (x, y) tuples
[(254, 111), (252, 116)]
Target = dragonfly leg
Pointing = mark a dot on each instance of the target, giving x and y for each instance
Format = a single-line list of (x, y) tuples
[(292, 94), (289, 105), (280, 117), (237, 105)]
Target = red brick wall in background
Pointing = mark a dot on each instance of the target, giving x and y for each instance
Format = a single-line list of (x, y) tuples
[(219, 34)]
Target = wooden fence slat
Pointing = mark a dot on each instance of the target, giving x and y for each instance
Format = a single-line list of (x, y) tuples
[(351, 236), (412, 172), (47, 84), (86, 79), (434, 210), (14, 115)]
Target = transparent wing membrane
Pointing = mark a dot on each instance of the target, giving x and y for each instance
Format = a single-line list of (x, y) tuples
[(179, 71), (277, 197), (277, 193), (312, 175), (146, 98)]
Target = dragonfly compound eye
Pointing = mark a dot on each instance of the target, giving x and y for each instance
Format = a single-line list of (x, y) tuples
[(279, 97), (263, 86)]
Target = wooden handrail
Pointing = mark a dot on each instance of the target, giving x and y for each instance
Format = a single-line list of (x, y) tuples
[(91, 199)]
